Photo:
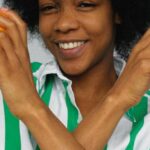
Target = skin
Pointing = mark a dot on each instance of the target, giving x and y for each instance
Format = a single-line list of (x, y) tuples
[(2, 29), (27, 105), (95, 25)]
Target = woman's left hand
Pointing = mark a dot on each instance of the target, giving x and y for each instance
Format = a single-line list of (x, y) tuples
[(16, 80)]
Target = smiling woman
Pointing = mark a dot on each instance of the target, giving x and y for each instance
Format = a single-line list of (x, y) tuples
[(87, 88)]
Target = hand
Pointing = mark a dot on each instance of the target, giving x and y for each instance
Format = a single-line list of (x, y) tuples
[(15, 73), (135, 79)]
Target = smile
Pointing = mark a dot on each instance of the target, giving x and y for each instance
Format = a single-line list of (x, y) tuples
[(71, 49), (70, 45)]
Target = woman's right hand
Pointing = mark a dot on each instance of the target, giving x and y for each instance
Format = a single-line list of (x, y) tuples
[(135, 79), (16, 81)]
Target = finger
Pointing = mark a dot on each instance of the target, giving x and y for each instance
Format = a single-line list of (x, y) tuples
[(140, 54), (13, 16), (3, 57), (3, 63), (143, 42), (14, 34), (144, 54), (13, 61), (8, 48), (147, 33), (11, 29), (22, 51)]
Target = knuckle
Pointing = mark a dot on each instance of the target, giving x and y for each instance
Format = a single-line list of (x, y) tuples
[(11, 25)]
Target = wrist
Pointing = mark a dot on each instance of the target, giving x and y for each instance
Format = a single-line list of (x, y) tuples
[(117, 103), (32, 109)]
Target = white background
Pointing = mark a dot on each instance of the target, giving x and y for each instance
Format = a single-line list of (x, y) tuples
[(36, 50)]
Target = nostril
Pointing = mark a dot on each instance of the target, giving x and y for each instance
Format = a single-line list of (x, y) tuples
[(66, 23), (65, 28)]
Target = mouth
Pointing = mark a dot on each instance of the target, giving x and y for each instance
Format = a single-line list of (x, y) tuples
[(70, 45), (71, 49)]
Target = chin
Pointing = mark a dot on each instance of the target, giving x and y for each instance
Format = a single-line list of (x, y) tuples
[(72, 71), (74, 67)]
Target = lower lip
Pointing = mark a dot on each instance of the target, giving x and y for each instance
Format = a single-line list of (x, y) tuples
[(72, 53)]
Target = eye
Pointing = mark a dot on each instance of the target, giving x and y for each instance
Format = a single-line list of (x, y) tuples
[(86, 5), (48, 8)]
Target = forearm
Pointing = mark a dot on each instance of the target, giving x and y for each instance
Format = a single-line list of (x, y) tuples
[(92, 133), (47, 130), (97, 127)]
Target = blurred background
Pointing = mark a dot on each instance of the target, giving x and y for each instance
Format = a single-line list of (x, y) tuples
[(36, 50)]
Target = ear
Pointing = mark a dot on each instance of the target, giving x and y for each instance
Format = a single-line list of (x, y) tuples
[(117, 19)]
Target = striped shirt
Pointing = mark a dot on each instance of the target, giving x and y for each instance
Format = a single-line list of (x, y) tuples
[(131, 133)]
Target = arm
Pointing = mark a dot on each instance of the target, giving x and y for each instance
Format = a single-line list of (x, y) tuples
[(54, 134), (99, 124), (127, 91), (18, 89)]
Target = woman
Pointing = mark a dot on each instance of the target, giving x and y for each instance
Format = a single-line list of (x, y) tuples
[(85, 93)]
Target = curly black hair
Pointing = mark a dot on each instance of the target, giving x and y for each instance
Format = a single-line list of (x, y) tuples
[(134, 14)]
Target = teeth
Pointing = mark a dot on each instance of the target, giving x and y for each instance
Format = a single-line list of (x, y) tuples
[(70, 45)]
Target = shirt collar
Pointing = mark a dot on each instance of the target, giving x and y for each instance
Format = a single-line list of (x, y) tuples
[(52, 67)]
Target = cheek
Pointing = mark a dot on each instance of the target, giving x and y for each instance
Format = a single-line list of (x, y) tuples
[(41, 26), (46, 30), (101, 22), (46, 25), (99, 25), (104, 24), (101, 32)]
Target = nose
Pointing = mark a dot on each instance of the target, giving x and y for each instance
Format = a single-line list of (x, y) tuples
[(66, 22)]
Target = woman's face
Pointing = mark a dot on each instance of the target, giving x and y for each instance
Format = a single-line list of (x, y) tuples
[(79, 33)]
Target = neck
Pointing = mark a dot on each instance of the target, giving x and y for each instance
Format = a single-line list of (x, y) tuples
[(90, 87)]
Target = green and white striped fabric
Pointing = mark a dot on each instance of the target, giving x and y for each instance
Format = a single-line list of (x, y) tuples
[(13, 133), (131, 133)]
